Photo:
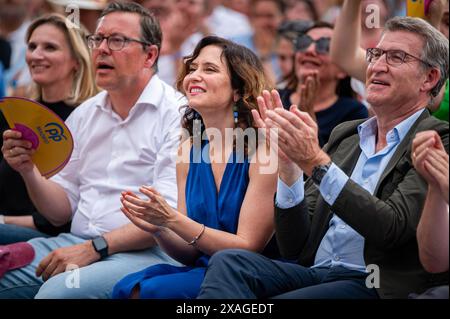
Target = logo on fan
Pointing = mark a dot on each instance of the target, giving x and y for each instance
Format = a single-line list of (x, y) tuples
[(55, 132)]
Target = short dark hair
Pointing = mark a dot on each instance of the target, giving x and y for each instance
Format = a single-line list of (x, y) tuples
[(150, 28), (292, 29)]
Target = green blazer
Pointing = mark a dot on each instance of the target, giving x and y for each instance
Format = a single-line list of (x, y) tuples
[(387, 220)]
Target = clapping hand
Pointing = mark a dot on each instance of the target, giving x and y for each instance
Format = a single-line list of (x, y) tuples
[(431, 161), (269, 101), (307, 91), (150, 214), (297, 132)]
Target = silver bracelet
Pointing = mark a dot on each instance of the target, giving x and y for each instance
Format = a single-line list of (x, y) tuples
[(194, 241), (2, 219)]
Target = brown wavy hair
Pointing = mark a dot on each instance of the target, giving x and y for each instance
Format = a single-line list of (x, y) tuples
[(246, 74)]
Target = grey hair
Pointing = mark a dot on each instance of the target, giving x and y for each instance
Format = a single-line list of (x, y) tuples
[(435, 48)]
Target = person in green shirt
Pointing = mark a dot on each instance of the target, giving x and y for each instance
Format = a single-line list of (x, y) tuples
[(442, 112)]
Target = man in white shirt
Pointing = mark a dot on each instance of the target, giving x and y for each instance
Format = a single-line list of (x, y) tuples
[(123, 139)]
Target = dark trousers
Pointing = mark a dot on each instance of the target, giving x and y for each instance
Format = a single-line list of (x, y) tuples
[(440, 292), (240, 274)]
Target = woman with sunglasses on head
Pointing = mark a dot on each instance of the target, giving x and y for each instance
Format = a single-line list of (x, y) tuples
[(318, 86), (60, 66)]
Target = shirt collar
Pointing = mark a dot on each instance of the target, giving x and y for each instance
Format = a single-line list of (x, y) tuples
[(367, 128), (404, 126), (370, 127), (151, 95)]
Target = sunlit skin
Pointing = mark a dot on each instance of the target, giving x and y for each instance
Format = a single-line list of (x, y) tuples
[(400, 86), (208, 85), (51, 62), (397, 92), (310, 60), (371, 35), (121, 70)]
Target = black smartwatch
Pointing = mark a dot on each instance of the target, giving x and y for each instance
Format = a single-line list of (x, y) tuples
[(319, 172), (100, 246)]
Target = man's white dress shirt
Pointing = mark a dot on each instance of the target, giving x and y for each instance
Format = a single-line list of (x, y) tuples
[(112, 155)]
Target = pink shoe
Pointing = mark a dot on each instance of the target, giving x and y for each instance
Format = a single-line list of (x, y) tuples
[(15, 256)]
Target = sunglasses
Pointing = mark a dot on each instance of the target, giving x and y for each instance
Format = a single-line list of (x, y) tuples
[(303, 42)]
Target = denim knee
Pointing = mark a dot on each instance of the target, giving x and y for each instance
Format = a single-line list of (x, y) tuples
[(55, 289), (61, 287)]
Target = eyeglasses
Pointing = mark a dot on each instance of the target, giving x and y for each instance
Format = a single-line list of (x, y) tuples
[(303, 42), (115, 42), (393, 57)]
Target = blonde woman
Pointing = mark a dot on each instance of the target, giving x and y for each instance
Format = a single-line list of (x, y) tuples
[(59, 62)]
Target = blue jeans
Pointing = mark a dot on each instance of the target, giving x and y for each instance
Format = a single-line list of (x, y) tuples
[(10, 234), (93, 281), (240, 274)]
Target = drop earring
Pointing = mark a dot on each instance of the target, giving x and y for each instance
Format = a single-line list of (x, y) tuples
[(235, 113)]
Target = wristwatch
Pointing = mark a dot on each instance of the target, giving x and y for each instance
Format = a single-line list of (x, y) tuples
[(100, 246), (319, 172)]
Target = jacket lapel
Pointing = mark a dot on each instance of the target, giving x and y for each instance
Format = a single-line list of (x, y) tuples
[(348, 154), (401, 149), (345, 157)]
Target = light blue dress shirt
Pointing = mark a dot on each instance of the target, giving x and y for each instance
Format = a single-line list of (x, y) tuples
[(342, 245)]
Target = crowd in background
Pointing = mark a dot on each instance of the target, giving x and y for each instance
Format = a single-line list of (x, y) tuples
[(48, 59)]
